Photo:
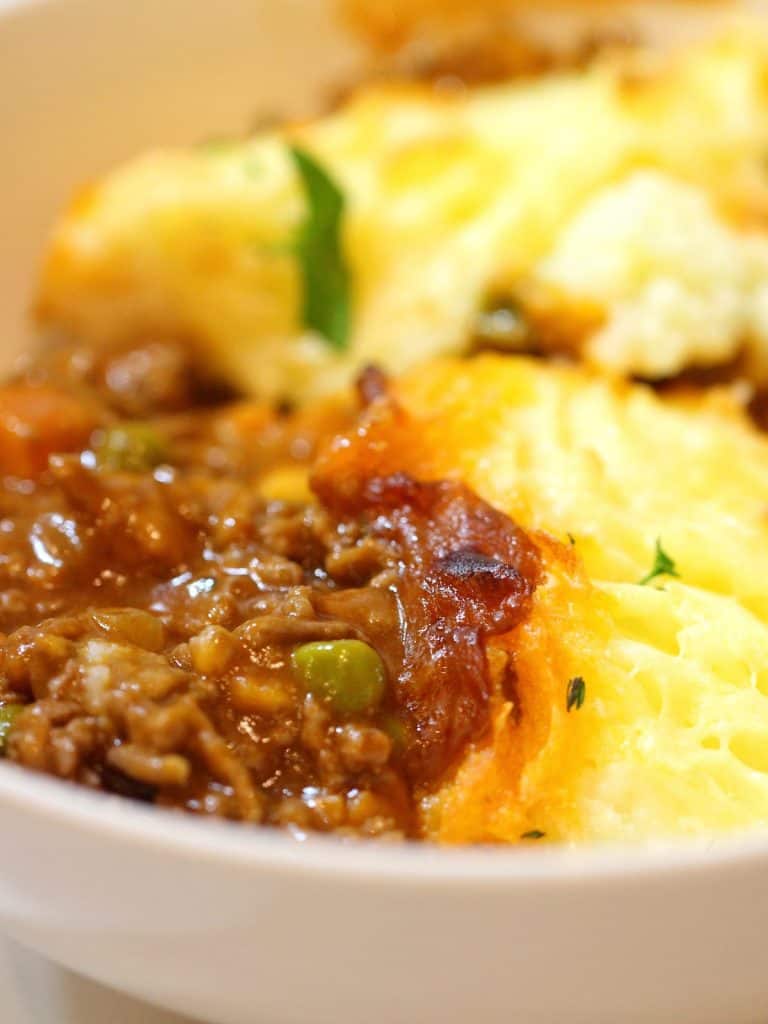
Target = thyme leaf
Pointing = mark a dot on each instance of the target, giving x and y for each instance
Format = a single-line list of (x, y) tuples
[(575, 694), (663, 565)]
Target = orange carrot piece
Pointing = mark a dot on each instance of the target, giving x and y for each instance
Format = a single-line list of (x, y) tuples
[(36, 422)]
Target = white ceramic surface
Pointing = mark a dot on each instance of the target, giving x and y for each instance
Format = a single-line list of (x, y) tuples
[(36, 991), (239, 926)]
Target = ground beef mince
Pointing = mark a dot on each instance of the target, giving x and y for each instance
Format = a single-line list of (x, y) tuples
[(183, 623), (465, 572)]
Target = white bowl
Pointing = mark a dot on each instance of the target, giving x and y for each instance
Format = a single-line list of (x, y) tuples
[(238, 925)]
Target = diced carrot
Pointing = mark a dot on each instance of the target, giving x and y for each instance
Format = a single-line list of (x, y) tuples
[(249, 418), (36, 422)]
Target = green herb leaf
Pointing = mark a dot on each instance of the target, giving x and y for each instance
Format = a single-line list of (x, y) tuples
[(577, 691), (663, 565), (533, 834), (572, 539), (325, 276)]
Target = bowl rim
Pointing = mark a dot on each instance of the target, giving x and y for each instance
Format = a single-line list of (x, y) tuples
[(163, 831)]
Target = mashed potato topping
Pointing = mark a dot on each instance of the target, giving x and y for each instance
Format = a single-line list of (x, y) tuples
[(637, 187), (671, 734), (679, 287)]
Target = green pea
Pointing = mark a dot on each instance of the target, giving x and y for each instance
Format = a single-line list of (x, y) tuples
[(347, 673), (8, 715), (501, 324), (131, 447), (396, 731)]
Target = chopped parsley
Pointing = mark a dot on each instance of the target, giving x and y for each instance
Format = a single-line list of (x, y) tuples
[(575, 694), (663, 565), (533, 834), (325, 276), (571, 538)]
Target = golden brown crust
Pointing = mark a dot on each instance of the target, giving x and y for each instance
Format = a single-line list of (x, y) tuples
[(388, 25), (453, 43)]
